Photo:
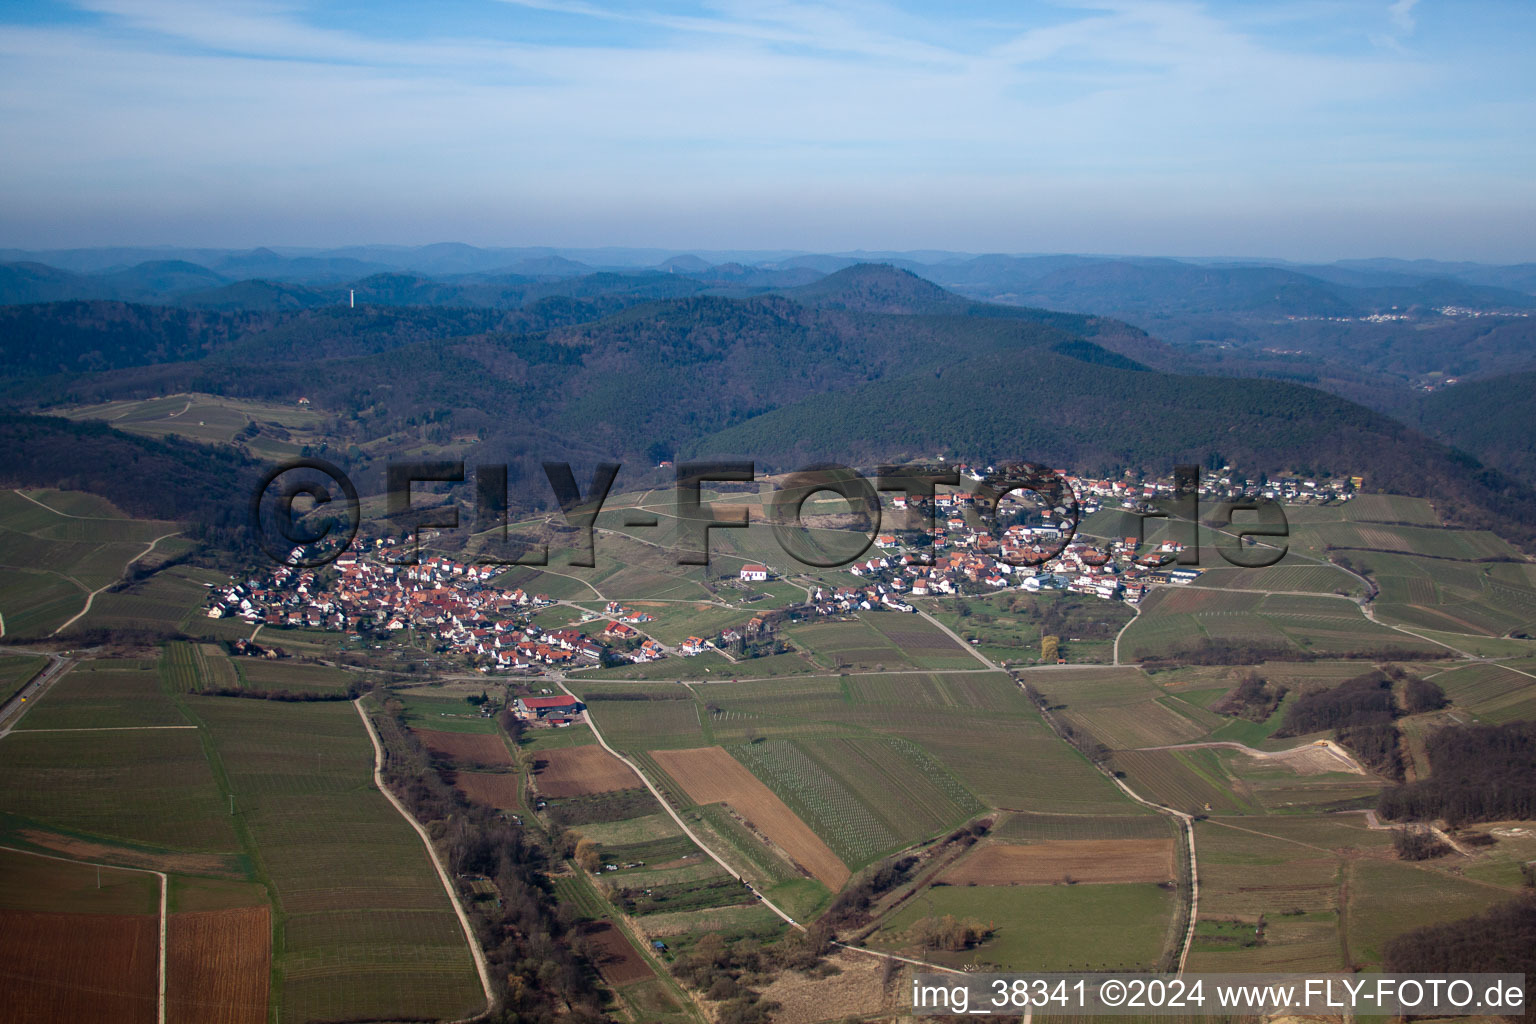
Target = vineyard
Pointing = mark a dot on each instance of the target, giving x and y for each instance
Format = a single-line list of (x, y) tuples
[(153, 788), (301, 780), (105, 695)]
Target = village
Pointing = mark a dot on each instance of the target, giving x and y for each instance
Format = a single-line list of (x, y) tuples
[(459, 609)]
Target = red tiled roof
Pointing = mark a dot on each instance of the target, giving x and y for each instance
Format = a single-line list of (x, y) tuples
[(549, 702)]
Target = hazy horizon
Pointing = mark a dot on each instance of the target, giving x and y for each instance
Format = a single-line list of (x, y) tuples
[(1308, 132)]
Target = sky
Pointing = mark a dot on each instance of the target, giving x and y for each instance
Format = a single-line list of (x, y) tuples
[(1301, 129)]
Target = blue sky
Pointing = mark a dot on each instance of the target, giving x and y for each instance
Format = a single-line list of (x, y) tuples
[(1307, 129)]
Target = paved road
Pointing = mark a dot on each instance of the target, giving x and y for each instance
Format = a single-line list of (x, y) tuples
[(13, 709)]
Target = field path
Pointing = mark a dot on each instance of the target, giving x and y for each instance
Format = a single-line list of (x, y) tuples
[(1194, 874), (957, 639), (1135, 614), (1028, 1015), (1333, 748), (481, 967), (92, 595), (1185, 820), (592, 724)]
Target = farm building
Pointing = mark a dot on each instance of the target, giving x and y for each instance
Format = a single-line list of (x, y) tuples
[(548, 707)]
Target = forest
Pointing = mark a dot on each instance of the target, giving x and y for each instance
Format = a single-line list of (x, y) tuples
[(1477, 773)]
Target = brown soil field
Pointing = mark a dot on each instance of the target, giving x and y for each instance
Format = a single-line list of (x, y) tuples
[(466, 748), (79, 967), (218, 965), (1084, 860), (579, 771), (494, 789), (710, 775), (617, 959)]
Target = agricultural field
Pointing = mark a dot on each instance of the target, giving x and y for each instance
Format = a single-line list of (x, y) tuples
[(218, 966), (501, 790), (1491, 692), (711, 775), (631, 725), (150, 788), (105, 695), (1066, 861), (443, 714), (581, 771), (921, 641), (53, 559), (1388, 897), (466, 749), (865, 796), (65, 967), (1113, 927), (1137, 823), (856, 645), (355, 938), (285, 675), (1007, 627), (1317, 625), (211, 419), (161, 604), (1192, 781)]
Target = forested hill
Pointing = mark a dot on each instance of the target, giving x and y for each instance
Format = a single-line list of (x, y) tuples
[(824, 371), (1493, 419), (1045, 406)]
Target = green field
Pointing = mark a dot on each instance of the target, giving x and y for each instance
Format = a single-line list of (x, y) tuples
[(1319, 625), (863, 796), (52, 558), (152, 788), (1045, 927), (444, 714)]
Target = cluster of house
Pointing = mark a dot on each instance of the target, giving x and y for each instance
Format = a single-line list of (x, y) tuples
[(447, 600)]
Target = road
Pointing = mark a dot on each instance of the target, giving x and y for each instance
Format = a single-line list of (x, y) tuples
[(13, 709)]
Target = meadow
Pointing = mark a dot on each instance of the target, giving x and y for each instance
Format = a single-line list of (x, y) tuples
[(1091, 927)]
